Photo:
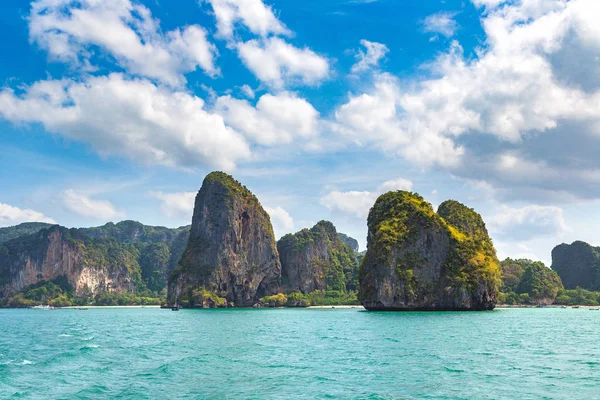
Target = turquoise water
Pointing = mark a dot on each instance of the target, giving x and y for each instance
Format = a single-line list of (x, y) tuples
[(299, 353)]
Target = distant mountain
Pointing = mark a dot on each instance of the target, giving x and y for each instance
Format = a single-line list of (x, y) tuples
[(24, 229), (578, 265), (351, 242), (123, 257)]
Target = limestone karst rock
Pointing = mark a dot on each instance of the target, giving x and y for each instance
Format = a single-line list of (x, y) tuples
[(317, 259), (231, 254), (418, 259), (578, 265)]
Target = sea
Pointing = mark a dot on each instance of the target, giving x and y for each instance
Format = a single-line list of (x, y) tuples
[(150, 353)]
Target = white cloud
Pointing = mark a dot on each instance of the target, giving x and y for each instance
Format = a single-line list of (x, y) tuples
[(536, 78), (442, 23), (81, 204), (253, 14), (276, 119), (370, 59), (248, 92), (277, 63), (282, 222), (526, 223), (10, 215), (69, 29), (176, 205), (132, 118), (377, 119), (358, 204)]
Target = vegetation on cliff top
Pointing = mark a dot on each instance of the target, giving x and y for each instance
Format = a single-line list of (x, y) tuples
[(397, 216), (341, 272), (24, 229), (528, 282)]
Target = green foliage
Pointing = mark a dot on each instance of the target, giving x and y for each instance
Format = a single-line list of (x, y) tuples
[(578, 265), (338, 264), (533, 278), (24, 229), (201, 297), (276, 300), (322, 298), (60, 293), (578, 296)]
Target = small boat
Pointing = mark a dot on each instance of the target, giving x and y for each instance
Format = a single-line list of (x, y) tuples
[(175, 308), (575, 307), (81, 308), (594, 309), (43, 307), (563, 306)]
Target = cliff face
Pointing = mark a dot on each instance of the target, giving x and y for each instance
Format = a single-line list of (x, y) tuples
[(57, 252), (421, 260), (577, 264), (123, 257), (316, 259), (231, 251), (351, 242)]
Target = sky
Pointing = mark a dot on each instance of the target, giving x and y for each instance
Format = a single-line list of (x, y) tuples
[(117, 109)]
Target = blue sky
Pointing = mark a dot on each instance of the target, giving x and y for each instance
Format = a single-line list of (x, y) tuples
[(117, 109)]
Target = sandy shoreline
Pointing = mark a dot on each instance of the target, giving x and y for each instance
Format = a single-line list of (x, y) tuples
[(76, 307)]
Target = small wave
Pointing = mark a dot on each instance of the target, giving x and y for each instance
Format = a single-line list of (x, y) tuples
[(454, 370), (87, 339), (27, 362), (6, 362), (64, 335), (90, 346)]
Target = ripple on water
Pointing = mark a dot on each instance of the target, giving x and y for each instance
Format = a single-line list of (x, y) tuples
[(293, 353)]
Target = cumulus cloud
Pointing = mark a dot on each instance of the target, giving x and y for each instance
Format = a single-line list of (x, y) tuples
[(526, 223), (442, 23), (282, 222), (358, 203), (253, 14), (277, 63), (369, 59), (70, 29), (518, 95), (177, 204), (276, 119), (10, 215), (81, 204), (129, 117)]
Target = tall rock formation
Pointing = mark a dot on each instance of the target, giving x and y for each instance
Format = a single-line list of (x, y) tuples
[(577, 264), (316, 259), (231, 252), (418, 259)]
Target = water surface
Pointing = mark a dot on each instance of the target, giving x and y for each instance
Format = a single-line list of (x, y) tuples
[(299, 353)]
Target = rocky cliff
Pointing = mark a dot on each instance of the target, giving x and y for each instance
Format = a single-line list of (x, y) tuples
[(316, 259), (231, 254), (123, 257), (578, 265), (351, 242), (418, 259)]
